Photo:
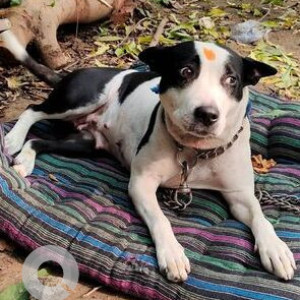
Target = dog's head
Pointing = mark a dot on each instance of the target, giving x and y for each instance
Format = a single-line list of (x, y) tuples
[(202, 86)]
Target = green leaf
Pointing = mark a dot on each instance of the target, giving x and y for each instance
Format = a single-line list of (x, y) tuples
[(103, 31), (246, 7), (15, 292), (271, 24), (132, 48), (216, 12), (102, 48), (146, 39), (212, 32), (274, 2), (119, 52), (174, 19), (165, 41), (194, 15), (44, 272), (257, 13), (15, 2), (109, 38), (128, 29)]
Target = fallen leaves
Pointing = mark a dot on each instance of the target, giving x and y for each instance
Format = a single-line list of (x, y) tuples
[(14, 82), (120, 44), (287, 80), (262, 165), (217, 12), (274, 2)]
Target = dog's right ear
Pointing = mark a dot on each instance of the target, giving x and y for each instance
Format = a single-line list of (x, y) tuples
[(154, 57)]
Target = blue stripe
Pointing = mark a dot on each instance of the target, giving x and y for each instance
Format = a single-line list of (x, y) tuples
[(201, 221), (213, 287), (288, 234)]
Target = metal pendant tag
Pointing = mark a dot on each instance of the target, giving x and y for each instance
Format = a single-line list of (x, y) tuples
[(183, 196)]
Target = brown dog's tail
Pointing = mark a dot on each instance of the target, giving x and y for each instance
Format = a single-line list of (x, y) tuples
[(44, 73)]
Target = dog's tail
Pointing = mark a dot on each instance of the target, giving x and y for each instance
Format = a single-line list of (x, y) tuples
[(11, 42)]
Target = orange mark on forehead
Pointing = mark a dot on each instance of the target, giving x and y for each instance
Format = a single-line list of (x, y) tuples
[(209, 54)]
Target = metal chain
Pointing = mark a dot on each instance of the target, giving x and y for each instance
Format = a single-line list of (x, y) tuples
[(181, 197), (290, 203)]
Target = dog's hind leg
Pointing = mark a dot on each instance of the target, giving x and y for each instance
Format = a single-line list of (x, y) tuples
[(76, 144), (14, 140)]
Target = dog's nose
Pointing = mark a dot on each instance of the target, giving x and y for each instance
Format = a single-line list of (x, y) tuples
[(207, 115)]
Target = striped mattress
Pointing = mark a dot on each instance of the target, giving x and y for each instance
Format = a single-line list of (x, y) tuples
[(82, 205)]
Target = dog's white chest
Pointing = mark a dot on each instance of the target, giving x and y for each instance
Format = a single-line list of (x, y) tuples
[(203, 175)]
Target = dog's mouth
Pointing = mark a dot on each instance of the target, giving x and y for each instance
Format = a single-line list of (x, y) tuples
[(191, 135), (199, 131)]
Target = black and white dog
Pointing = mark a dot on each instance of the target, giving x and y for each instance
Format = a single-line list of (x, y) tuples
[(194, 126)]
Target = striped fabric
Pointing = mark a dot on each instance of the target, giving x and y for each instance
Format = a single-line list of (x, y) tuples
[(87, 211)]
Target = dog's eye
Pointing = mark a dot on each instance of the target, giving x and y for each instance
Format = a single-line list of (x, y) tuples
[(187, 72), (231, 80)]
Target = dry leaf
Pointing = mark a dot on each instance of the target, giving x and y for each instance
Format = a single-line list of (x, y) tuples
[(262, 165), (13, 82), (53, 178)]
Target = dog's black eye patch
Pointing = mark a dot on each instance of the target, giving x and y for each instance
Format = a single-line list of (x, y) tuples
[(177, 65), (180, 74), (231, 80)]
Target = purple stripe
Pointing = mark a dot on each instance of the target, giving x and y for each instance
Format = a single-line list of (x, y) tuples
[(215, 238), (123, 285), (286, 170), (112, 210), (98, 207), (292, 121), (261, 120)]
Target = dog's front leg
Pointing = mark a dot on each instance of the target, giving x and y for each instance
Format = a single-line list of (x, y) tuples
[(275, 255), (170, 254)]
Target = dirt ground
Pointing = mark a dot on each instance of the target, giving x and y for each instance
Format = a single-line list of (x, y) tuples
[(24, 89)]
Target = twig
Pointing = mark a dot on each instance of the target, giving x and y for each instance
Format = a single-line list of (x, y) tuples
[(159, 32), (105, 3), (135, 26), (267, 12), (91, 292)]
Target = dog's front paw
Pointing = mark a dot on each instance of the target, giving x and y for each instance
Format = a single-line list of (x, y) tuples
[(172, 261), (276, 256), (12, 143)]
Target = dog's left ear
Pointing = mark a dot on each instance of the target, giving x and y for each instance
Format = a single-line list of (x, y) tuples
[(154, 58), (254, 70)]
